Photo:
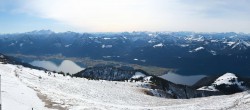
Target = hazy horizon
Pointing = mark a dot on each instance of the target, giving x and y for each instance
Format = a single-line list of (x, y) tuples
[(121, 32)]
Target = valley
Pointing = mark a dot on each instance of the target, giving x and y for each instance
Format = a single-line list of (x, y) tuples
[(88, 62)]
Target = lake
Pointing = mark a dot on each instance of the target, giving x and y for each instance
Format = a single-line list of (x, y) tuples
[(66, 66), (181, 79)]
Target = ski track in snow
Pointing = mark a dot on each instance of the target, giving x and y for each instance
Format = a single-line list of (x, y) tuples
[(81, 93), (16, 95)]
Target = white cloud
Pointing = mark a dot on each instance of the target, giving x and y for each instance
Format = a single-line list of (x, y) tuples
[(100, 15), (152, 15)]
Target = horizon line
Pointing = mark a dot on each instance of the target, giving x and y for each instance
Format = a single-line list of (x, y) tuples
[(211, 32)]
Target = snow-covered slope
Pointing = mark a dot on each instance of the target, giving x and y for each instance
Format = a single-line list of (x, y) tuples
[(164, 87), (60, 92), (16, 95), (158, 45), (197, 49)]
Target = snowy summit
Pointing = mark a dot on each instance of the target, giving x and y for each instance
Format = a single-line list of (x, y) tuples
[(226, 83)]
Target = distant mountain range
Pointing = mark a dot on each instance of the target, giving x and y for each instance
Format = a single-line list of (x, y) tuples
[(188, 52)]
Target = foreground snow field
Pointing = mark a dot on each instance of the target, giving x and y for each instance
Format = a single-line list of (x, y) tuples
[(25, 88), (16, 95)]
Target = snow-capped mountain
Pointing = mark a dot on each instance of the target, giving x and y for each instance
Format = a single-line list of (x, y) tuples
[(165, 49), (40, 32), (240, 45), (228, 83)]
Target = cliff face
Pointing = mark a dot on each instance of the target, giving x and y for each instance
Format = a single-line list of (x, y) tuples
[(156, 86)]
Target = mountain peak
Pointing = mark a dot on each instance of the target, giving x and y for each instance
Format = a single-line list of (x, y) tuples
[(227, 83), (41, 32), (226, 79)]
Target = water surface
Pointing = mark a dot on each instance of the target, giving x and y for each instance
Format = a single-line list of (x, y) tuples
[(181, 79), (66, 66)]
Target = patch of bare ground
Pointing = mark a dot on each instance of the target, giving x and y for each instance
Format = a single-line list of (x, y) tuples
[(147, 92), (48, 102)]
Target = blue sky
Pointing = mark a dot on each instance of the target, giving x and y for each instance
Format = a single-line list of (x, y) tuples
[(13, 23), (125, 15)]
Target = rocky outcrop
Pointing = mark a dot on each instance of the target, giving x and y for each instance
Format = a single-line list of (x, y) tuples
[(228, 83)]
